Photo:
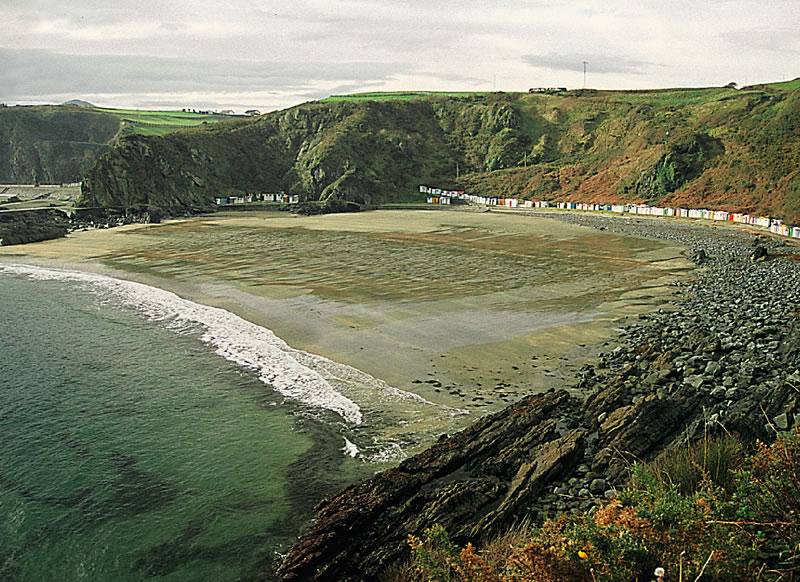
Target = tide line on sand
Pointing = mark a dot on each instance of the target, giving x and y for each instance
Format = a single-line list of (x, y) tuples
[(298, 375)]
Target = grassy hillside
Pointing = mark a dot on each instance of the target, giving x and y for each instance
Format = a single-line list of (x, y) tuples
[(396, 96), (714, 147), (59, 143), (143, 122)]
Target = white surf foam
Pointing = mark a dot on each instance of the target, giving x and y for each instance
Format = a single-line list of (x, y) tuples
[(235, 339), (349, 448)]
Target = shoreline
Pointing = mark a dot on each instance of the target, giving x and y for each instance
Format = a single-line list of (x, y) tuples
[(725, 360), (360, 335)]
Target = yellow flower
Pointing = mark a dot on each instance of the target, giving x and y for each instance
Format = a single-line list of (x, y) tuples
[(582, 555)]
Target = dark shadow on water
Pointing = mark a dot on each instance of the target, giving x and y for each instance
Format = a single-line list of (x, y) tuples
[(132, 491), (244, 552), (10, 569), (136, 490), (312, 477)]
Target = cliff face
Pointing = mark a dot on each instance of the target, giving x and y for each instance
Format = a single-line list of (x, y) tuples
[(714, 148), (51, 145), (365, 153), (718, 148)]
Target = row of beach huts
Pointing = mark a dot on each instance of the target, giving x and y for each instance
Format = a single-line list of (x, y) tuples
[(448, 197), (278, 197)]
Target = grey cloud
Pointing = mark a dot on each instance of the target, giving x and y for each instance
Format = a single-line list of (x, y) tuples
[(342, 89), (776, 40), (456, 77), (26, 73), (308, 48), (598, 63)]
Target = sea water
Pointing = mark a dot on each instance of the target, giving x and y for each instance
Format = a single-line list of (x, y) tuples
[(145, 437)]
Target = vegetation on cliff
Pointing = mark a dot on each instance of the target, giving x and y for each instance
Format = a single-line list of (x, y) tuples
[(708, 511), (52, 144), (717, 147)]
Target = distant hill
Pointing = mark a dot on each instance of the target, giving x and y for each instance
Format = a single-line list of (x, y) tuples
[(59, 143), (714, 147), (78, 103)]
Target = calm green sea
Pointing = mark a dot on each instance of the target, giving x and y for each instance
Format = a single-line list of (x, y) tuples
[(129, 451)]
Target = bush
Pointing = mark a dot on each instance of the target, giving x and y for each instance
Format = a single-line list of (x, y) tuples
[(710, 460), (703, 512)]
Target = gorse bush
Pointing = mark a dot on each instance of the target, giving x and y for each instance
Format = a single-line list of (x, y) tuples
[(705, 512)]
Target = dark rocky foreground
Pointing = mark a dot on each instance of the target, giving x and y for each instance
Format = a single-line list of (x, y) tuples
[(725, 359)]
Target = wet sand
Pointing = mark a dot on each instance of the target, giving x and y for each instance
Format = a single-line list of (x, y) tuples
[(467, 309)]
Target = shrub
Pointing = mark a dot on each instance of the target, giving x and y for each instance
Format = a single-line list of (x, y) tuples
[(710, 460), (703, 512)]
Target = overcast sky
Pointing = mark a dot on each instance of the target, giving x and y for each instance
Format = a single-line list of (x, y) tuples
[(243, 54)]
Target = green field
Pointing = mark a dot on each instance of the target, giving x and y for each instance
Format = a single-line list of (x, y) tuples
[(143, 122), (660, 97), (399, 96), (792, 85)]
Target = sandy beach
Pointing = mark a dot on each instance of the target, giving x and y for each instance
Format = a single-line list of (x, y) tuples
[(467, 309)]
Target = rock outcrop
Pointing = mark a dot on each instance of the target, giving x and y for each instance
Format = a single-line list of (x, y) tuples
[(473, 483), (26, 226)]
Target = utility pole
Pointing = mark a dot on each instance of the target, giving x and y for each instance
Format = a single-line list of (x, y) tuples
[(457, 172), (584, 73)]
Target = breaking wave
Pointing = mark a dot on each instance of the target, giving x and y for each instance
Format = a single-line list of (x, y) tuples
[(298, 375), (306, 378)]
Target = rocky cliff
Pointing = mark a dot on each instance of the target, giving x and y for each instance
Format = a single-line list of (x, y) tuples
[(26, 226), (365, 153), (55, 144), (51, 145), (718, 148), (726, 360)]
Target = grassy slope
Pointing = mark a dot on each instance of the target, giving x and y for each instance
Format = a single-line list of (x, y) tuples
[(715, 147), (55, 144), (729, 149), (397, 96), (792, 85), (144, 122)]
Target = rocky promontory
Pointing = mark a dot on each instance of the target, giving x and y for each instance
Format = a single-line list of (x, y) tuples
[(724, 358), (27, 226)]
